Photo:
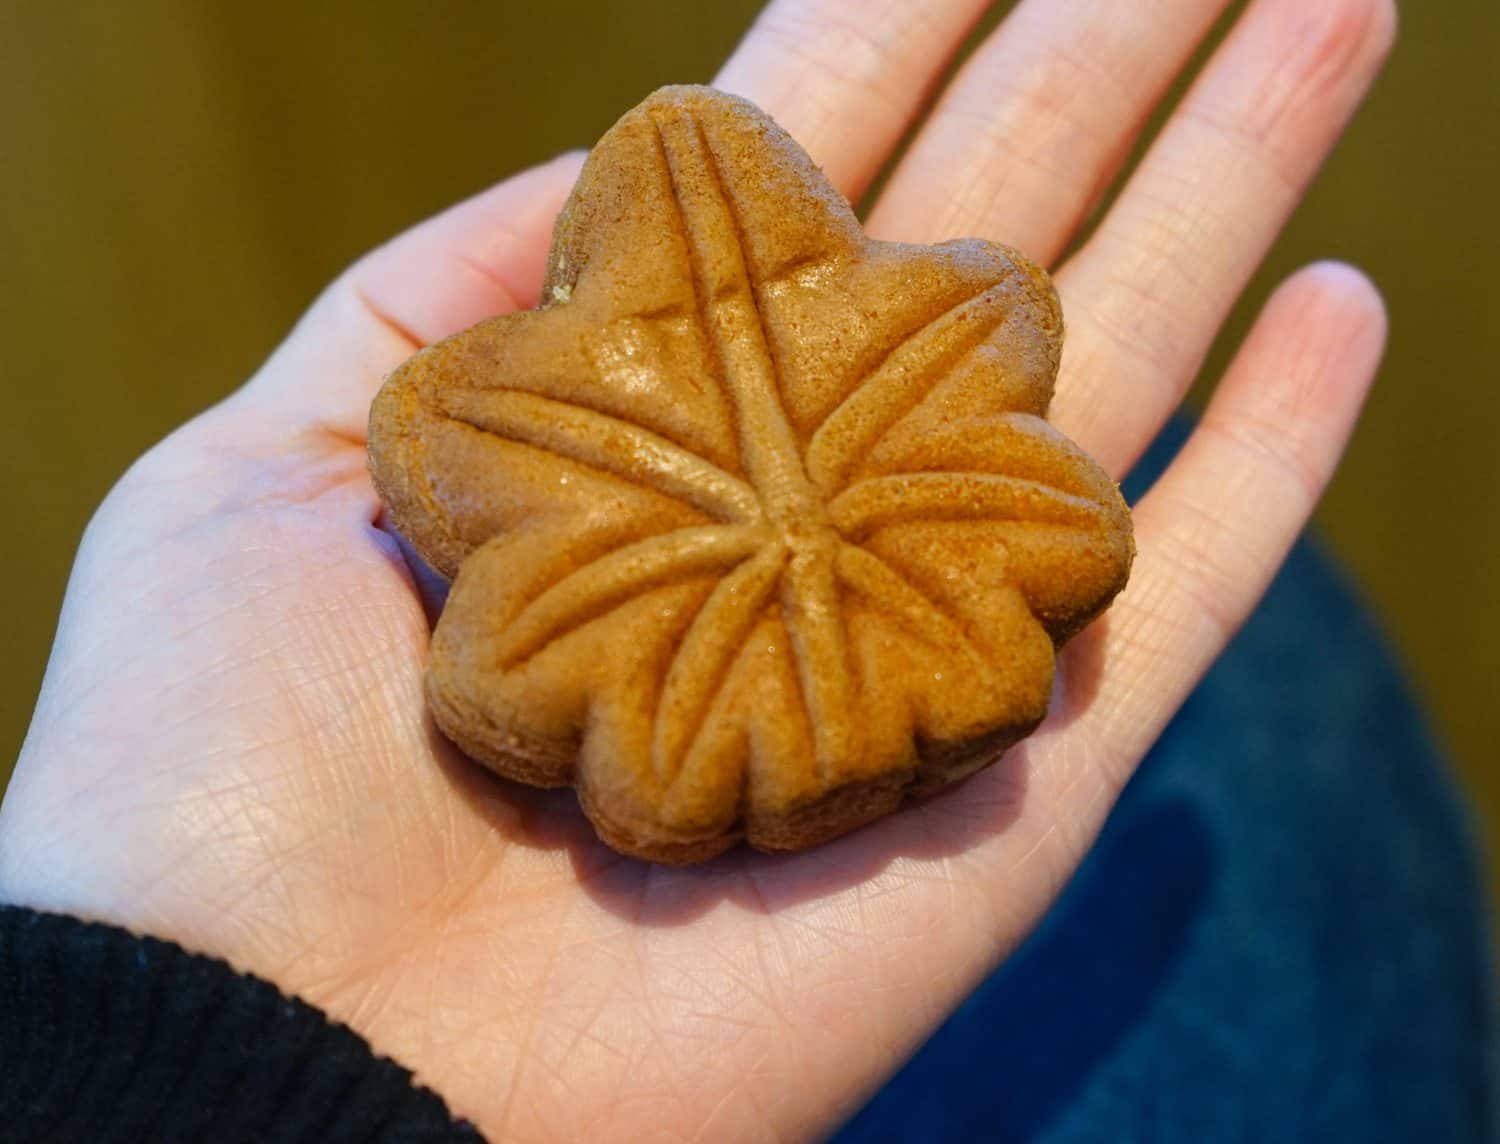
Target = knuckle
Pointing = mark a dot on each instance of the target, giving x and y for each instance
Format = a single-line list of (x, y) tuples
[(1274, 455), (860, 48), (1131, 312), (1053, 110), (1210, 570)]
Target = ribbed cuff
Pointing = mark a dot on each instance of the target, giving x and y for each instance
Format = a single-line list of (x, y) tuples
[(105, 1036)]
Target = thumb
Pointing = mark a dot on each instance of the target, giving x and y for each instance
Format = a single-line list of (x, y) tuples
[(483, 257)]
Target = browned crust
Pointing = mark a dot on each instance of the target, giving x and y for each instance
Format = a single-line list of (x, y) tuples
[(399, 422)]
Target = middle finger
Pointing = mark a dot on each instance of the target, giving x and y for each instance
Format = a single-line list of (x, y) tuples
[(844, 77), (1036, 124)]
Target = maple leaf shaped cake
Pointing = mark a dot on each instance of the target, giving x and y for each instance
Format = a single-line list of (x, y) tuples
[(755, 526)]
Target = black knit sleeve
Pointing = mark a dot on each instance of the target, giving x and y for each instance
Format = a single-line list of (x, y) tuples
[(106, 1037)]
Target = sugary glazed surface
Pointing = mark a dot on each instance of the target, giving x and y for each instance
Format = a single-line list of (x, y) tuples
[(756, 525)]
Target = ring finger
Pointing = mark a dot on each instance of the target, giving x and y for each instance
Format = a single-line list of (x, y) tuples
[(1147, 295)]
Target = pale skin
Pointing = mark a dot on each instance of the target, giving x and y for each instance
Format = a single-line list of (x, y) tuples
[(230, 747)]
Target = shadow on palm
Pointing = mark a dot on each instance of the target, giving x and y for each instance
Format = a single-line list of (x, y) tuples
[(946, 825)]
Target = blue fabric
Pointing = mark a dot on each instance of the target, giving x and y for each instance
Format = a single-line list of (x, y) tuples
[(1280, 935)]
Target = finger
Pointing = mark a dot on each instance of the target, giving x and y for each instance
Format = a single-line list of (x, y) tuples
[(484, 256), (1211, 534), (1039, 120), (1147, 295), (1216, 527), (845, 77)]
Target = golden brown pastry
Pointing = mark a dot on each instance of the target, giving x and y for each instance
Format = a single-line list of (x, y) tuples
[(755, 525)]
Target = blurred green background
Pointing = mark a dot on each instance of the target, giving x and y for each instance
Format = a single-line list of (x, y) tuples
[(180, 178)]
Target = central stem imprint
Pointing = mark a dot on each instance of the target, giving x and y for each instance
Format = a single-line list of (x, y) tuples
[(732, 318)]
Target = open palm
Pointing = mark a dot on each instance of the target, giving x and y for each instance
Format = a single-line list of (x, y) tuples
[(231, 747)]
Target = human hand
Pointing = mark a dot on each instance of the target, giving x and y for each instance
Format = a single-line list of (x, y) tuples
[(231, 747)]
